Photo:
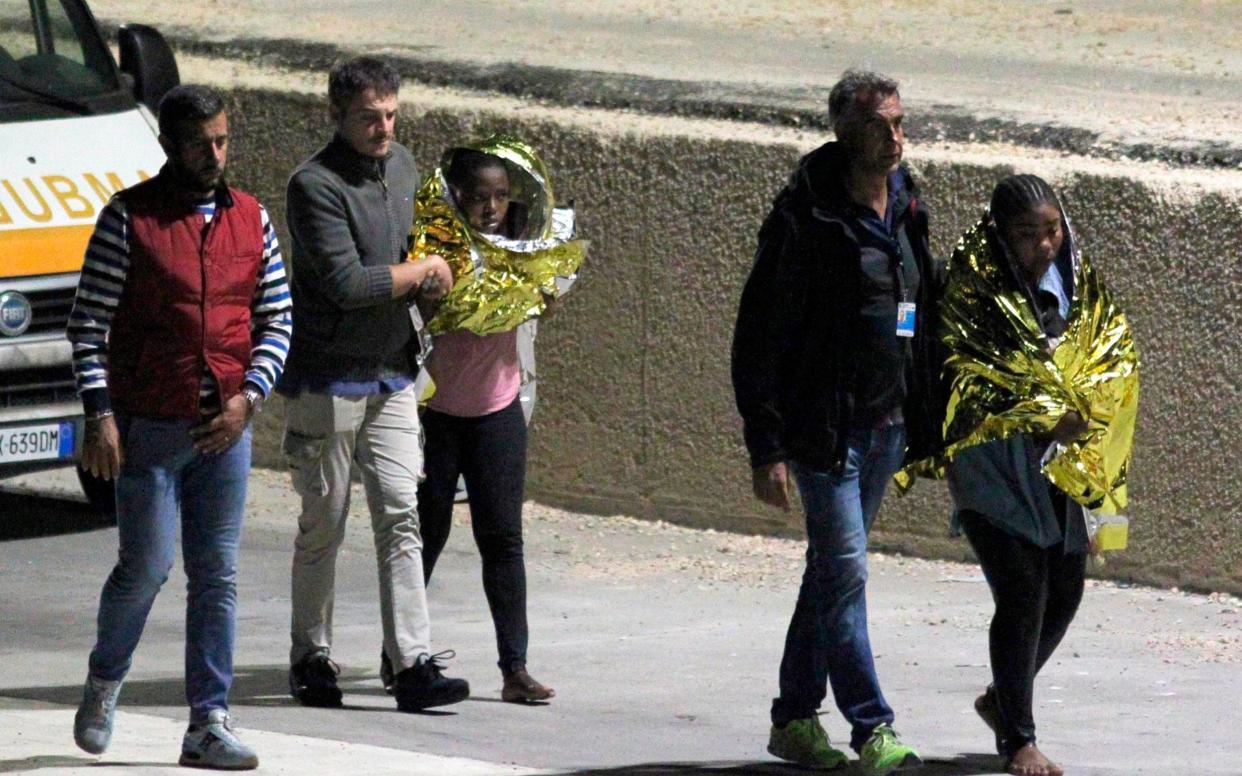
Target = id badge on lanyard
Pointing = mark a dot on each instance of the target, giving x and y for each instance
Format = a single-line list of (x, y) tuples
[(905, 309), (905, 319)]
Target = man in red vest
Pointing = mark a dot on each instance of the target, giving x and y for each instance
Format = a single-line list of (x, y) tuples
[(180, 329)]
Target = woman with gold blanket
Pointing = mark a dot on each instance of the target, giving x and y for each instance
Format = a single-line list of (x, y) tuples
[(1020, 402), (488, 209)]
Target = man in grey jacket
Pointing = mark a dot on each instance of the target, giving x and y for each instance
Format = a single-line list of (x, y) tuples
[(349, 384)]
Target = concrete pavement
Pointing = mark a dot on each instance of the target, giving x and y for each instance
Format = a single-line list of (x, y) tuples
[(141, 745), (662, 643)]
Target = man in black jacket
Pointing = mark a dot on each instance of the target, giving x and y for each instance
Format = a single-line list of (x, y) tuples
[(834, 370)]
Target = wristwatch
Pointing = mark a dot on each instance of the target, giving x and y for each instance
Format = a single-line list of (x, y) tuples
[(254, 399)]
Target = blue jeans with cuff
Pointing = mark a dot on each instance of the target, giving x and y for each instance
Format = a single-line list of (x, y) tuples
[(165, 485), (827, 639)]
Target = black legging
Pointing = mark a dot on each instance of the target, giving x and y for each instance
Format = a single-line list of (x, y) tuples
[(490, 452), (1036, 592)]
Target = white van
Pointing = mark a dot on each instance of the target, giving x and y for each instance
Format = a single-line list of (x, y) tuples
[(74, 129)]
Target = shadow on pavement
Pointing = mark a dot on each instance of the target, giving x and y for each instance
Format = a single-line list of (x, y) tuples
[(53, 761), (961, 765), (27, 516), (252, 686), (259, 685), (268, 685)]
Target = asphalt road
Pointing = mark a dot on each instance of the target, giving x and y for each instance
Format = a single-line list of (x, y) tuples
[(662, 643)]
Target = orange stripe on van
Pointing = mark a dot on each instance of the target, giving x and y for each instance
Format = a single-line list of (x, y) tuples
[(44, 251)]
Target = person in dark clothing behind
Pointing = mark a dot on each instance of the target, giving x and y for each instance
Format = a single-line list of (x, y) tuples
[(836, 379), (1030, 539)]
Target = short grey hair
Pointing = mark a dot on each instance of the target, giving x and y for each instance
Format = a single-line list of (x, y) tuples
[(853, 86)]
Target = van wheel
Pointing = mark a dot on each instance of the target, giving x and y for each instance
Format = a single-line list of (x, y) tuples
[(100, 493)]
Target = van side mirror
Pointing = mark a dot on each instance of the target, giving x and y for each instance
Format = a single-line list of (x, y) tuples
[(148, 59)]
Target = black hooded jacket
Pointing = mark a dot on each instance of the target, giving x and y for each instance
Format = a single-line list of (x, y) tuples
[(795, 346)]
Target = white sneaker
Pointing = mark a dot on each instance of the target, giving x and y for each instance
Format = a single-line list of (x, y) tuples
[(92, 725), (213, 744)]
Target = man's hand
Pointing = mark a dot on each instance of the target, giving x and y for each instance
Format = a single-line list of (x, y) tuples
[(1069, 428), (771, 484), (435, 284), (411, 275), (438, 280), (101, 451), (219, 433)]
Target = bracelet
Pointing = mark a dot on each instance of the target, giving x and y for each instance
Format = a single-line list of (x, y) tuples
[(254, 400), (97, 416)]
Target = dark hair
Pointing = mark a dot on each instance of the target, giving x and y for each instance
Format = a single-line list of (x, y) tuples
[(854, 86), (466, 163), (351, 78), (462, 168), (187, 106), (1017, 194)]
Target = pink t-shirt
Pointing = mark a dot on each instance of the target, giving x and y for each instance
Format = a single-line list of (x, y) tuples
[(474, 375)]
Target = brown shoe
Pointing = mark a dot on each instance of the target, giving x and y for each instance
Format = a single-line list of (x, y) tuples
[(520, 687)]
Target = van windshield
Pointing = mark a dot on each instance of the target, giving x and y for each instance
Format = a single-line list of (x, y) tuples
[(51, 53)]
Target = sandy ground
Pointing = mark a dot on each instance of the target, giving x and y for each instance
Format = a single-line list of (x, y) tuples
[(1177, 183), (1137, 71), (1191, 628)]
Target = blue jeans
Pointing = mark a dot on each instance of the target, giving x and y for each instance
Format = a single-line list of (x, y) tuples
[(163, 483), (827, 638)]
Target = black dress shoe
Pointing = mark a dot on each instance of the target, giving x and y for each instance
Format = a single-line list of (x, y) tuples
[(424, 684), (312, 681)]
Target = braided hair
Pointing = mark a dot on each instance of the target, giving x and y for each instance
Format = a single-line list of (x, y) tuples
[(1016, 195), (1012, 197)]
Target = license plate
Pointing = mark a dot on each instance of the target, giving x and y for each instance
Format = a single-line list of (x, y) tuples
[(36, 443)]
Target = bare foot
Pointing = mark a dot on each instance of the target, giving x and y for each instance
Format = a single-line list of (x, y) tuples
[(989, 712), (1029, 761), (985, 707)]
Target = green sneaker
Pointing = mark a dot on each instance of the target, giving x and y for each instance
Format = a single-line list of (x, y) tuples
[(884, 753), (804, 742)]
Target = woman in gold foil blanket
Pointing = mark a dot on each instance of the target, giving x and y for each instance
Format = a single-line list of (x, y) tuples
[(486, 210), (1018, 289)]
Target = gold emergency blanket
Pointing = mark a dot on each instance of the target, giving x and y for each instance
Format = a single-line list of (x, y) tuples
[(498, 282), (1004, 380)]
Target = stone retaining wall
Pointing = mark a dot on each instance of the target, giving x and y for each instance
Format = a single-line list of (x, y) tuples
[(635, 409)]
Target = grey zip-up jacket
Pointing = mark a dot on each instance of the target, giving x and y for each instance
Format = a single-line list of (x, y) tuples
[(349, 218)]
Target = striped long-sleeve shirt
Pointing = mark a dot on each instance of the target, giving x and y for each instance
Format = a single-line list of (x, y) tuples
[(99, 294)]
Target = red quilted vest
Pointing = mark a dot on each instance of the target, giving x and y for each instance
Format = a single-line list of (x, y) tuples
[(187, 298)]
